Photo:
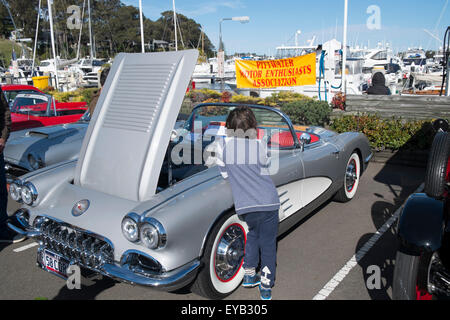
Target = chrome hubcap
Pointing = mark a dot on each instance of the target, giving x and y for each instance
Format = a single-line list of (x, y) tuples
[(230, 252), (351, 176)]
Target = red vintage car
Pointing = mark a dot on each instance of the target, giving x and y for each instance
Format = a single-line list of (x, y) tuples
[(12, 90), (32, 110)]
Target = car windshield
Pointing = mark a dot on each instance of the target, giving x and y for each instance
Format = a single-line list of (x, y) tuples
[(209, 121), (31, 104), (11, 95), (205, 124)]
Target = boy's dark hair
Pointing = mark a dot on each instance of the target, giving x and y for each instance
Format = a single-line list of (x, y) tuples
[(104, 76), (241, 122)]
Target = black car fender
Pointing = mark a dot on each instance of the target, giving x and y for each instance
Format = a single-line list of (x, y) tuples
[(421, 225)]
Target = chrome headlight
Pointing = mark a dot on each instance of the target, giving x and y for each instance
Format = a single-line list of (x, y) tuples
[(130, 227), (34, 164), (15, 191), (152, 234), (28, 193)]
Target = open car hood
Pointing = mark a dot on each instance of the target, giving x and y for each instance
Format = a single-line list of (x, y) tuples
[(124, 148)]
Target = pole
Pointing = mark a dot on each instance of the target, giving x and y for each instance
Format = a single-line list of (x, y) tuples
[(344, 50), (221, 58), (142, 26), (81, 30), (90, 32), (175, 24), (36, 39), (447, 86), (50, 3)]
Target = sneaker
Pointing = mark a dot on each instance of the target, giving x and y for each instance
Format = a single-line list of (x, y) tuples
[(11, 237), (251, 281), (265, 293)]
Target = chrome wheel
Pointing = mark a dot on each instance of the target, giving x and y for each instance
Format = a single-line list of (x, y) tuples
[(351, 175), (230, 252)]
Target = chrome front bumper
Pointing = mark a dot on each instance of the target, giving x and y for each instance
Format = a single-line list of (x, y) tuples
[(129, 269)]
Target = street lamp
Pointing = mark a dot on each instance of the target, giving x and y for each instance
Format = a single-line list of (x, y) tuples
[(221, 53), (242, 20)]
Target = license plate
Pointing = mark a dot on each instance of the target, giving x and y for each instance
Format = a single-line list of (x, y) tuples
[(55, 263)]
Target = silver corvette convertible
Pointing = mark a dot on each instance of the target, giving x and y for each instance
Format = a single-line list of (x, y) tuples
[(31, 149), (140, 206)]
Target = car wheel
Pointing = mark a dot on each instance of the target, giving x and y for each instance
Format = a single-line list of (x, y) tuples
[(438, 168), (410, 277), (351, 179), (222, 270)]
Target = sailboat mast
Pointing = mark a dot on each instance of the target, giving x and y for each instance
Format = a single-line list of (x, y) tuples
[(90, 32), (142, 26), (81, 31), (344, 50), (175, 24), (50, 13), (36, 38)]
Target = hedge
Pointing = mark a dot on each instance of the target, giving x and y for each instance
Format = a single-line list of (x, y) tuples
[(308, 112), (392, 134), (80, 95), (300, 108)]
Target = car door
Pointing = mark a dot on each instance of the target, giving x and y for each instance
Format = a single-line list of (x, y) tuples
[(320, 169)]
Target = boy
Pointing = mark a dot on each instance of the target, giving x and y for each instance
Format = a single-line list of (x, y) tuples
[(243, 161)]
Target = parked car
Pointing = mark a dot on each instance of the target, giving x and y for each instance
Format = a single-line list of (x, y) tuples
[(33, 110), (32, 149), (422, 265), (12, 90), (129, 210)]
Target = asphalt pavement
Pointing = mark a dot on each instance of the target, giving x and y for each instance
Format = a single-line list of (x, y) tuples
[(316, 258)]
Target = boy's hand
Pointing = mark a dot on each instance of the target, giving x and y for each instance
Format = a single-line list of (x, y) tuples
[(211, 161)]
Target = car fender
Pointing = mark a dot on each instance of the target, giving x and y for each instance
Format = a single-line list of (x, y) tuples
[(421, 224)]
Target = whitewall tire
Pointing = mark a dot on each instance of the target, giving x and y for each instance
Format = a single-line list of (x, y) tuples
[(223, 259)]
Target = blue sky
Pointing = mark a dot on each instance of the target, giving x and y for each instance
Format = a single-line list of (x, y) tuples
[(274, 23)]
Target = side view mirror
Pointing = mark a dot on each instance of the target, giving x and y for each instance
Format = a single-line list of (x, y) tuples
[(305, 139), (440, 125), (174, 135)]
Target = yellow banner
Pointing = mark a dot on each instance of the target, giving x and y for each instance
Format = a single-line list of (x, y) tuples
[(290, 72)]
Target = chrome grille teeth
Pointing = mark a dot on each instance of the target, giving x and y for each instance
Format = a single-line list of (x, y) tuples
[(76, 246)]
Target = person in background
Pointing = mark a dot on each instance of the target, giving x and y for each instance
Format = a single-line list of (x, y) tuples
[(379, 85), (6, 235), (93, 103)]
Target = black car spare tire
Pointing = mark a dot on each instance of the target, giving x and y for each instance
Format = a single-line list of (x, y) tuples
[(410, 277), (437, 168)]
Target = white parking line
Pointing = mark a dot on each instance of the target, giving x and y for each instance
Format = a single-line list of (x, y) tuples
[(31, 245), (353, 262)]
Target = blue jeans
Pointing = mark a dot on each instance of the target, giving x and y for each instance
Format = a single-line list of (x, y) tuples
[(3, 196), (262, 243)]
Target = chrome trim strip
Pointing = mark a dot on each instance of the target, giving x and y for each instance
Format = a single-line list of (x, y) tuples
[(171, 280), (28, 234), (367, 160)]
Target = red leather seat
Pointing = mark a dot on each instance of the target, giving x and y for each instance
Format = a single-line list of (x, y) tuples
[(284, 139)]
